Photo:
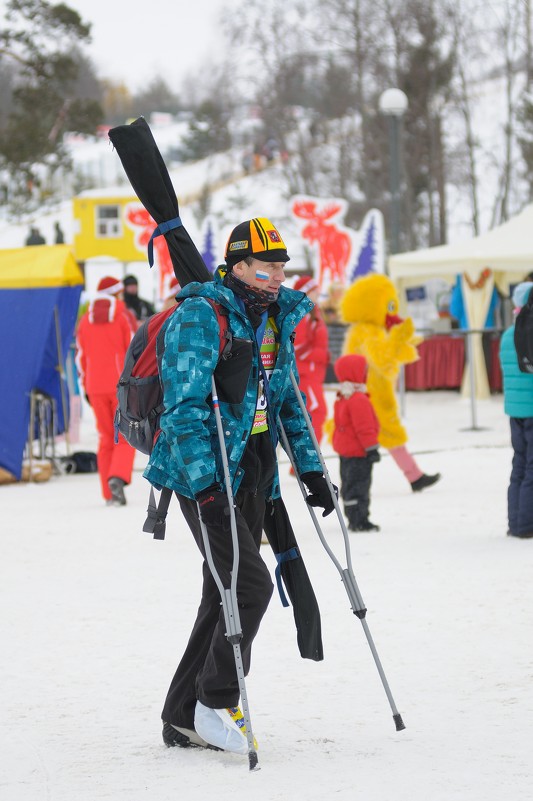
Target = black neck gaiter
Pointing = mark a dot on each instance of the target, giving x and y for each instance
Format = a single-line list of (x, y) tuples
[(257, 300)]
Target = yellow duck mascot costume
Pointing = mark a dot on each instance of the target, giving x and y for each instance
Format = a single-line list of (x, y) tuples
[(370, 307)]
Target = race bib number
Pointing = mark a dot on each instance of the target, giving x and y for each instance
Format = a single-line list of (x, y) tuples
[(268, 357)]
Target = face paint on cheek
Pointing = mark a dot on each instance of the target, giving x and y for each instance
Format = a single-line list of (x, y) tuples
[(261, 276)]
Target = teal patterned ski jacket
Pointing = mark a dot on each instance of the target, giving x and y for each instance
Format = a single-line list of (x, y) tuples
[(186, 456)]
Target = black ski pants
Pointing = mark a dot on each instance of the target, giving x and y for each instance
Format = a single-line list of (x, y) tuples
[(207, 668), (356, 478)]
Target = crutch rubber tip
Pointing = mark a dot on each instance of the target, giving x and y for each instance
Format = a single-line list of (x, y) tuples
[(253, 761), (398, 722)]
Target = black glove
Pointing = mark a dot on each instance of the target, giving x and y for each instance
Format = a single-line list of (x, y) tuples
[(320, 492), (373, 455), (214, 507)]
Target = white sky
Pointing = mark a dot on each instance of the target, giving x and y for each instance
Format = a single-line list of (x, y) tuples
[(135, 41)]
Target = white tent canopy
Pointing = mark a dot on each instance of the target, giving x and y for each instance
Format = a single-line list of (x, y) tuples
[(507, 250)]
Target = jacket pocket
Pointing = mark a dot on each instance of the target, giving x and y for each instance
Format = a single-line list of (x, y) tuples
[(233, 371)]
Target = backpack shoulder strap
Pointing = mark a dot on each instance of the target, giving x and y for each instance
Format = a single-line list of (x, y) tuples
[(155, 522), (226, 335)]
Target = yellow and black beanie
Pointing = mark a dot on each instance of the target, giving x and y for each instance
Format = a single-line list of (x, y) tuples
[(257, 238)]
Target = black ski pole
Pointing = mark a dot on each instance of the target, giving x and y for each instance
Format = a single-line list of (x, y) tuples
[(347, 574), (229, 595)]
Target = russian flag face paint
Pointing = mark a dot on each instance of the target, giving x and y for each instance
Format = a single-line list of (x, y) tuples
[(261, 276)]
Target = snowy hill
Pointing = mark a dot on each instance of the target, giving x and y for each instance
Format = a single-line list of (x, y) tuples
[(234, 196)]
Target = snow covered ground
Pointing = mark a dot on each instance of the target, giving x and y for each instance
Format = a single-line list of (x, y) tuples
[(96, 614)]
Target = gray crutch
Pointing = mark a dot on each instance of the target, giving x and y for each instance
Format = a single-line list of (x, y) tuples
[(229, 595), (347, 574)]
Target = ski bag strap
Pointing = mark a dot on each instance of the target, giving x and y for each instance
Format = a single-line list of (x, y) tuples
[(162, 228), (285, 556)]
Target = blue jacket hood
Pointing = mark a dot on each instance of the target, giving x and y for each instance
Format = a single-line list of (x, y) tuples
[(289, 300)]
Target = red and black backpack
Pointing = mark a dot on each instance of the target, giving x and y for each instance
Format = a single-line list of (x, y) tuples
[(139, 390)]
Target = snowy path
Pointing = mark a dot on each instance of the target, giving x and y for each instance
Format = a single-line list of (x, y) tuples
[(95, 615)]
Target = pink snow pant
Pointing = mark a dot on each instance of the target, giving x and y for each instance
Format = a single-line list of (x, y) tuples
[(406, 463)]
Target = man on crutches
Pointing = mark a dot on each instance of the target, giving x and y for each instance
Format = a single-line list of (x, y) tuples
[(192, 455)]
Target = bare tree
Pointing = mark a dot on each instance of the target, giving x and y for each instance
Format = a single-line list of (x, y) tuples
[(466, 53), (508, 36), (529, 60), (331, 59)]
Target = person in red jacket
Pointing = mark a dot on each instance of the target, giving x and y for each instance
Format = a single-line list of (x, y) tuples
[(312, 355), (102, 339), (355, 439)]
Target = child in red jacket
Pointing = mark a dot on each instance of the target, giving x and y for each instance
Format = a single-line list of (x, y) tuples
[(355, 439)]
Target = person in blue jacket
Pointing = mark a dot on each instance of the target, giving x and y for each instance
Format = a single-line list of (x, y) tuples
[(518, 404), (254, 390)]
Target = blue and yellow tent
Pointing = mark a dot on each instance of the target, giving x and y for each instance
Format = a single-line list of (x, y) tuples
[(40, 289)]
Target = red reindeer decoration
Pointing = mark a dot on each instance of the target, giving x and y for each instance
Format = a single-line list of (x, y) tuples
[(143, 224), (334, 243)]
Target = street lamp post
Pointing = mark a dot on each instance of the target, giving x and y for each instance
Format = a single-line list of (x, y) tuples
[(393, 104)]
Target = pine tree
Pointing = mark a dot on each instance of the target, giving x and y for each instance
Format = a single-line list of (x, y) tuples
[(208, 250), (39, 44), (525, 137), (208, 132)]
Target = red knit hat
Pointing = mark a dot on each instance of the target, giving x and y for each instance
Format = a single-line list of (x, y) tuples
[(306, 283), (110, 285)]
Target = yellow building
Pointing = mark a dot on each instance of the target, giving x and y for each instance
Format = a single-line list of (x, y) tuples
[(115, 225)]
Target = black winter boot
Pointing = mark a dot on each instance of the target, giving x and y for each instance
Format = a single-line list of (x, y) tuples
[(365, 525), (116, 485), (424, 481)]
